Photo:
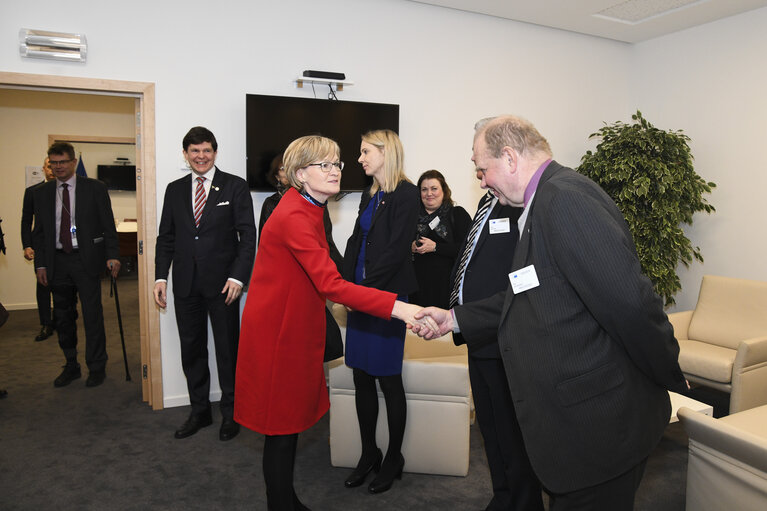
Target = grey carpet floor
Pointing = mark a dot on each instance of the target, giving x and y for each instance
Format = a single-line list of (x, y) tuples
[(103, 448)]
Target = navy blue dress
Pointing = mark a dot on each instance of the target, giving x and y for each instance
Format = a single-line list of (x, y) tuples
[(373, 344)]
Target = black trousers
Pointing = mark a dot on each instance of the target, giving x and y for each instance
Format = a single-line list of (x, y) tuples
[(192, 314), (515, 485), (71, 279), (617, 494)]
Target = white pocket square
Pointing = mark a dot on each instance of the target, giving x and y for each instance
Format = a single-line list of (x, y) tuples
[(226, 203)]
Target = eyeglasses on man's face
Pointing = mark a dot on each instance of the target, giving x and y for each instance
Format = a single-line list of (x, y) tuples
[(56, 163), (327, 166)]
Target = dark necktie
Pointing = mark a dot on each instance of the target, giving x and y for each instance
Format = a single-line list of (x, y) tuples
[(65, 227), (199, 200), (479, 218)]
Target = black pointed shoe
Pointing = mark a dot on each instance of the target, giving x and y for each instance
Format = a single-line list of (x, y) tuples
[(45, 332), (229, 429), (193, 424), (359, 474), (386, 476), (70, 373)]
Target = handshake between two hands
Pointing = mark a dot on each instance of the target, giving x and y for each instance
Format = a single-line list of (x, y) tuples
[(426, 322)]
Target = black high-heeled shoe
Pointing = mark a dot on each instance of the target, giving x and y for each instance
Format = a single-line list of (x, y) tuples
[(359, 474), (386, 477)]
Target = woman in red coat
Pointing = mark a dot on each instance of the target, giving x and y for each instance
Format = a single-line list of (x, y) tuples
[(280, 383)]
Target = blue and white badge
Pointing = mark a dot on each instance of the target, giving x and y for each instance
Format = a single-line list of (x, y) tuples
[(434, 223), (73, 230), (499, 225), (523, 279)]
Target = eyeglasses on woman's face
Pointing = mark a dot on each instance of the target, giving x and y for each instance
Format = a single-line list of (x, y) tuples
[(327, 166)]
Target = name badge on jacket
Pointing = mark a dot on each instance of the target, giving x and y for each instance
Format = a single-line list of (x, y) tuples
[(499, 225), (523, 279)]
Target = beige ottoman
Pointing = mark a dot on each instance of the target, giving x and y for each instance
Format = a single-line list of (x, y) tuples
[(435, 375)]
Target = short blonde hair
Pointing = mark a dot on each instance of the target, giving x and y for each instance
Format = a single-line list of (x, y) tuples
[(514, 132), (389, 144), (303, 151)]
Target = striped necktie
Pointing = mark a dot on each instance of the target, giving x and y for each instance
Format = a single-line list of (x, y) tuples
[(199, 200), (479, 219)]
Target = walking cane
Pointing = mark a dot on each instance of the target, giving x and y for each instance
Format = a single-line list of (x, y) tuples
[(113, 289)]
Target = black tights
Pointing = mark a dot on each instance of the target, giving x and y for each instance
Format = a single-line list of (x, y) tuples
[(279, 460), (366, 399)]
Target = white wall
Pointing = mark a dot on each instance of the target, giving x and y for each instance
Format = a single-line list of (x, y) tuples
[(445, 68), (710, 81)]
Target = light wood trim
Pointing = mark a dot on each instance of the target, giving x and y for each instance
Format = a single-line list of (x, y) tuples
[(146, 206), (64, 83), (147, 232), (91, 139)]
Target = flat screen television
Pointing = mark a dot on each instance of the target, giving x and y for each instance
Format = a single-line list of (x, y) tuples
[(273, 122), (117, 177)]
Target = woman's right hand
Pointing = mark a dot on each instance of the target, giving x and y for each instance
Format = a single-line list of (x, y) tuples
[(407, 311)]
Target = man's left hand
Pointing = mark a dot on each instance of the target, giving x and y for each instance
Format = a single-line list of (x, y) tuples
[(113, 265), (232, 290)]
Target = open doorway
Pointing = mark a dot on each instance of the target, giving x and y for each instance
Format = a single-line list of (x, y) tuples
[(146, 216)]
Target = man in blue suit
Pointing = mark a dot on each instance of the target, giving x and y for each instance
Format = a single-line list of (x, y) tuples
[(588, 352), (207, 231)]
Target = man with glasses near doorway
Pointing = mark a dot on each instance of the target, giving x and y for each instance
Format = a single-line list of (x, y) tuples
[(74, 240)]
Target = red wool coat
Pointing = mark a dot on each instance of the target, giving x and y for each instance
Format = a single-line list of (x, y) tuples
[(280, 384)]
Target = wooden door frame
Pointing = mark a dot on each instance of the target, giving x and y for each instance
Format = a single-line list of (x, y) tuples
[(146, 203)]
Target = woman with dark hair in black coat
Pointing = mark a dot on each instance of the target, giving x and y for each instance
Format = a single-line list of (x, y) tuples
[(441, 229)]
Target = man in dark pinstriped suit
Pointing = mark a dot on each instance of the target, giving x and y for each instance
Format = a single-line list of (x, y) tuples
[(588, 351)]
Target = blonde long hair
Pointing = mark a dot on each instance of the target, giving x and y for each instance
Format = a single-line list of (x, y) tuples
[(389, 144)]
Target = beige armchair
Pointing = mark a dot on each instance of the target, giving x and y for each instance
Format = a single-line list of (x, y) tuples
[(723, 342), (435, 375), (727, 465)]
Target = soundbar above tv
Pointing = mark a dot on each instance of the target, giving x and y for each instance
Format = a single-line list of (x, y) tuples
[(273, 122)]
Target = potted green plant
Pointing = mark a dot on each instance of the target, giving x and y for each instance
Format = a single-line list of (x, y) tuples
[(649, 174)]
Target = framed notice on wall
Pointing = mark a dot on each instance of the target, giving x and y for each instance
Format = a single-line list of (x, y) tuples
[(34, 175)]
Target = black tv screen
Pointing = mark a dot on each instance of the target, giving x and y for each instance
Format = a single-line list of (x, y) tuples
[(273, 122), (117, 177)]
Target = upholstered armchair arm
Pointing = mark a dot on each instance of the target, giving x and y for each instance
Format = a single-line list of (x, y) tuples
[(681, 322), (749, 375), (739, 447)]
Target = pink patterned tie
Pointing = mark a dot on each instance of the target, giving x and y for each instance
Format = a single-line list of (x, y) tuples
[(199, 200)]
